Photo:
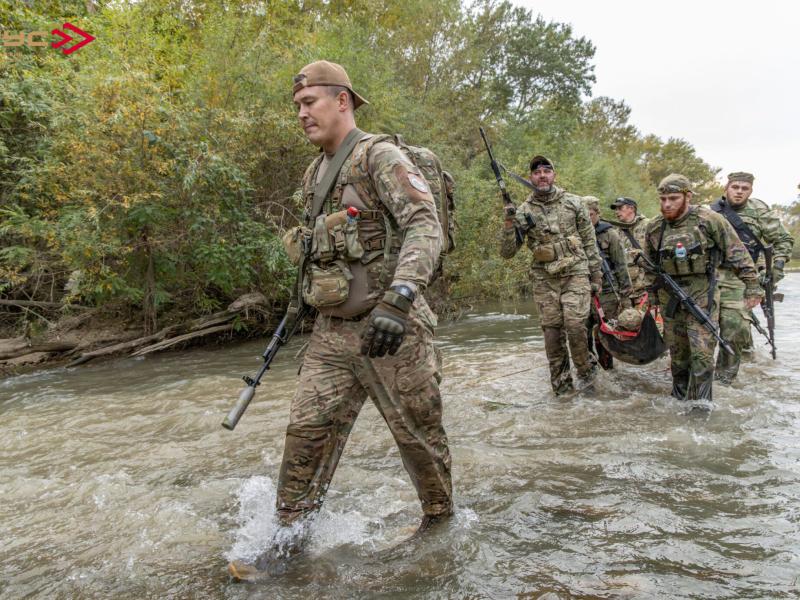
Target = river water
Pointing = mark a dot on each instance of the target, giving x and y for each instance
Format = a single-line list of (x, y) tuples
[(116, 480)]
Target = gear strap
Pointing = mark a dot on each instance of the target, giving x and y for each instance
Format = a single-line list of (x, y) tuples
[(749, 239), (324, 187)]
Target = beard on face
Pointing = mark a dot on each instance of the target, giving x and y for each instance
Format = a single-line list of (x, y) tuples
[(671, 215)]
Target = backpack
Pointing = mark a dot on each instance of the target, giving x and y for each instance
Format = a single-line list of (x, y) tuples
[(442, 187)]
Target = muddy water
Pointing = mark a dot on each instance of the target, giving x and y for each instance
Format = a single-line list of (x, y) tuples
[(116, 480)]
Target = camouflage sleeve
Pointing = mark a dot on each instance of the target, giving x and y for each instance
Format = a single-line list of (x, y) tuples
[(735, 254), (586, 230), (404, 192), (508, 242), (773, 232), (618, 256)]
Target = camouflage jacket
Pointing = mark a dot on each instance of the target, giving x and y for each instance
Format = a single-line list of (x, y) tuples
[(637, 228), (609, 241), (558, 232), (767, 227), (399, 227), (689, 247)]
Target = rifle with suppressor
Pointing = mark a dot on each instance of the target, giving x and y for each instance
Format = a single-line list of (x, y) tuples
[(279, 338), (507, 203), (679, 296)]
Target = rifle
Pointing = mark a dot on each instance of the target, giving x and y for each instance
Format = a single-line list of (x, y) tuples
[(770, 297), (607, 274), (679, 296), (279, 338), (507, 203), (757, 324)]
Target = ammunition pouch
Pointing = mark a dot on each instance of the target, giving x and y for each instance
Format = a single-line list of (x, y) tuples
[(293, 241), (672, 306), (335, 237), (325, 286), (559, 256), (695, 263)]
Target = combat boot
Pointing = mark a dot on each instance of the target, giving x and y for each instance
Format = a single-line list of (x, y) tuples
[(430, 522), (271, 563)]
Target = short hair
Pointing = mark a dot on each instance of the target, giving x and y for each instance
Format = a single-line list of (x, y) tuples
[(335, 90)]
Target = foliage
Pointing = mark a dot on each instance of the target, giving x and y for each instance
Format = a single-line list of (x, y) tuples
[(154, 169)]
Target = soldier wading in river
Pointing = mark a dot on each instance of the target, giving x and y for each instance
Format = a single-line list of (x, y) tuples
[(757, 226), (615, 295), (373, 334), (565, 270), (688, 243), (632, 227)]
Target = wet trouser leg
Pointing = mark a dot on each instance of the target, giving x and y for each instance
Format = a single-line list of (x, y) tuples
[(563, 310), (735, 329), (575, 302), (692, 355), (335, 381), (555, 347)]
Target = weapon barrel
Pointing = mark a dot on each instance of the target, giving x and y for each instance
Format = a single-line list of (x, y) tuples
[(241, 405)]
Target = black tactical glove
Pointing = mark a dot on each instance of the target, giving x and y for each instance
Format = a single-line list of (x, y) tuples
[(777, 270), (387, 323), (509, 210)]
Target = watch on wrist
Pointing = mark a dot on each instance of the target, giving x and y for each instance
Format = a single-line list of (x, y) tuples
[(404, 291)]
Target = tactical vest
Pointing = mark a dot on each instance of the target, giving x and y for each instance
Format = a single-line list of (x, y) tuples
[(353, 261), (552, 235), (697, 246)]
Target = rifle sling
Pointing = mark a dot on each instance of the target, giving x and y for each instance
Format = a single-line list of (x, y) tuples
[(749, 239), (324, 187)]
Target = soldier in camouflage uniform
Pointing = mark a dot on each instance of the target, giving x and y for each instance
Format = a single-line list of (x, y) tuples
[(765, 228), (632, 226), (565, 270), (688, 243), (612, 300), (373, 335)]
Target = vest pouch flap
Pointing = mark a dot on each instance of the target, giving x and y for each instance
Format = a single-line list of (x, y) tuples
[(328, 285), (322, 247), (544, 253)]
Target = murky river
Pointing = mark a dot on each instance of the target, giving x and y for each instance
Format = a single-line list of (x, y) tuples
[(116, 480)]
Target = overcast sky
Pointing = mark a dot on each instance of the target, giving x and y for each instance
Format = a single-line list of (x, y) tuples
[(725, 76)]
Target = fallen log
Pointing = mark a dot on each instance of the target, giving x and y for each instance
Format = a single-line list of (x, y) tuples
[(38, 304), (181, 338), (28, 348)]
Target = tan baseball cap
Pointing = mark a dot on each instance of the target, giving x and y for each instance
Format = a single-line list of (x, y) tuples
[(323, 72)]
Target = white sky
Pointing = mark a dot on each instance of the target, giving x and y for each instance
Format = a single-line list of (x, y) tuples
[(725, 76)]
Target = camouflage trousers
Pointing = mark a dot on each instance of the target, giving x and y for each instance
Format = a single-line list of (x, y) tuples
[(734, 324), (563, 304), (610, 306), (335, 381), (691, 349)]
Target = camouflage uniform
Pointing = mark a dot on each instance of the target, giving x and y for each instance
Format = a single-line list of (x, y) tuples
[(561, 237), (735, 320), (611, 249), (636, 229), (707, 238), (398, 240)]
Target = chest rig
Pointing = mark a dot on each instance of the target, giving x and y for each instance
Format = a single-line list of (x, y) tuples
[(552, 234), (366, 247), (686, 249)]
